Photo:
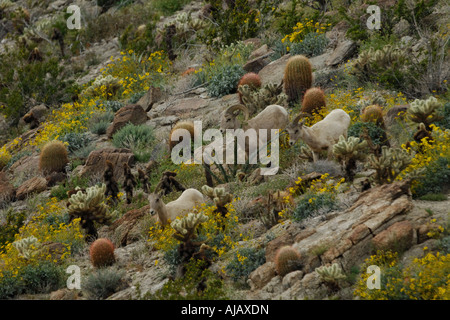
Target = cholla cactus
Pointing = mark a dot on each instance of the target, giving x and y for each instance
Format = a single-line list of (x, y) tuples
[(109, 84), (331, 275), (348, 151), (27, 247), (306, 153), (256, 100), (218, 195), (369, 61), (377, 99), (89, 205), (425, 111), (389, 164), (185, 227)]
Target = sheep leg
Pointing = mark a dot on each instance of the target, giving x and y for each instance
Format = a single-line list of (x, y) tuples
[(315, 156)]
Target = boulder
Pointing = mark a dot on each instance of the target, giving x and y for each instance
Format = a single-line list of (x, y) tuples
[(95, 163), (261, 275), (125, 230), (152, 96), (341, 53), (34, 185), (274, 71), (132, 113), (397, 237), (7, 191)]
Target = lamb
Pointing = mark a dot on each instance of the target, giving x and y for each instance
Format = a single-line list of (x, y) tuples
[(272, 117), (180, 207), (322, 135)]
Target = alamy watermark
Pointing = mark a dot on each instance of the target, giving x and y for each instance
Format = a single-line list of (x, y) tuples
[(374, 280)]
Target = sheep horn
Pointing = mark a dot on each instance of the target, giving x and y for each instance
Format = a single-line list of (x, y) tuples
[(239, 107), (300, 116)]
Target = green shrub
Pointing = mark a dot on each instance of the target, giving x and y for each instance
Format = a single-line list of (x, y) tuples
[(60, 191), (140, 139), (13, 222), (135, 97), (113, 105), (312, 45), (376, 134), (103, 283), (225, 80), (42, 278), (76, 141), (100, 127), (435, 179), (434, 197), (197, 284), (169, 7), (244, 262), (312, 205), (444, 123), (10, 285)]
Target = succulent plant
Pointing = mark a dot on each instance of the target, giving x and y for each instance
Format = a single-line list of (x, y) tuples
[(368, 62), (101, 253), (348, 151), (313, 100), (27, 247), (331, 275), (252, 80), (218, 195), (185, 227), (256, 100), (89, 205), (110, 83), (53, 157), (373, 113), (287, 260), (388, 164), (425, 111), (297, 78)]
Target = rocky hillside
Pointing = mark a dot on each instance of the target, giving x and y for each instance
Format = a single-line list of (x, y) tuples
[(86, 117)]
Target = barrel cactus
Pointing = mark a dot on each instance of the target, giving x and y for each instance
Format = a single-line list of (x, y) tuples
[(297, 78), (287, 260), (373, 113), (252, 80), (101, 253), (53, 157), (313, 100)]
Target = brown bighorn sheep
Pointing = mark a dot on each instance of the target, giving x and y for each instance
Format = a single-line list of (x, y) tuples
[(180, 207), (322, 135)]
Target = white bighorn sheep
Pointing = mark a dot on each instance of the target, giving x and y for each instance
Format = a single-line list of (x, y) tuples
[(322, 135), (272, 117), (180, 207)]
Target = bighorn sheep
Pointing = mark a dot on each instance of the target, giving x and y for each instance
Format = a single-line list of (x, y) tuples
[(272, 117), (180, 207), (322, 135)]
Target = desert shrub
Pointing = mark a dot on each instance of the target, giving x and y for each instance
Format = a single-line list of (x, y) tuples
[(434, 197), (17, 156), (139, 40), (198, 283), (435, 179), (444, 123), (42, 278), (312, 205), (244, 262), (113, 105), (225, 80), (10, 227), (76, 141), (60, 191), (376, 134), (103, 282), (140, 139), (169, 7), (10, 285), (100, 127), (136, 96), (424, 279), (312, 45)]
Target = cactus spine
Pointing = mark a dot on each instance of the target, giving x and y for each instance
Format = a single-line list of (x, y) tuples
[(297, 78), (313, 100), (287, 260), (53, 157), (27, 247), (102, 253), (389, 164)]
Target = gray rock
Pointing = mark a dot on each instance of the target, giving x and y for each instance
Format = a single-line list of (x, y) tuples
[(343, 51)]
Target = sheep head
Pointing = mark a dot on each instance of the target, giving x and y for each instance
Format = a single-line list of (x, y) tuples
[(294, 129), (229, 117), (155, 202)]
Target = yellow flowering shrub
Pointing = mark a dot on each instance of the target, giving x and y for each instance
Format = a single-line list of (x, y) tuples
[(302, 28), (46, 226), (426, 278)]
